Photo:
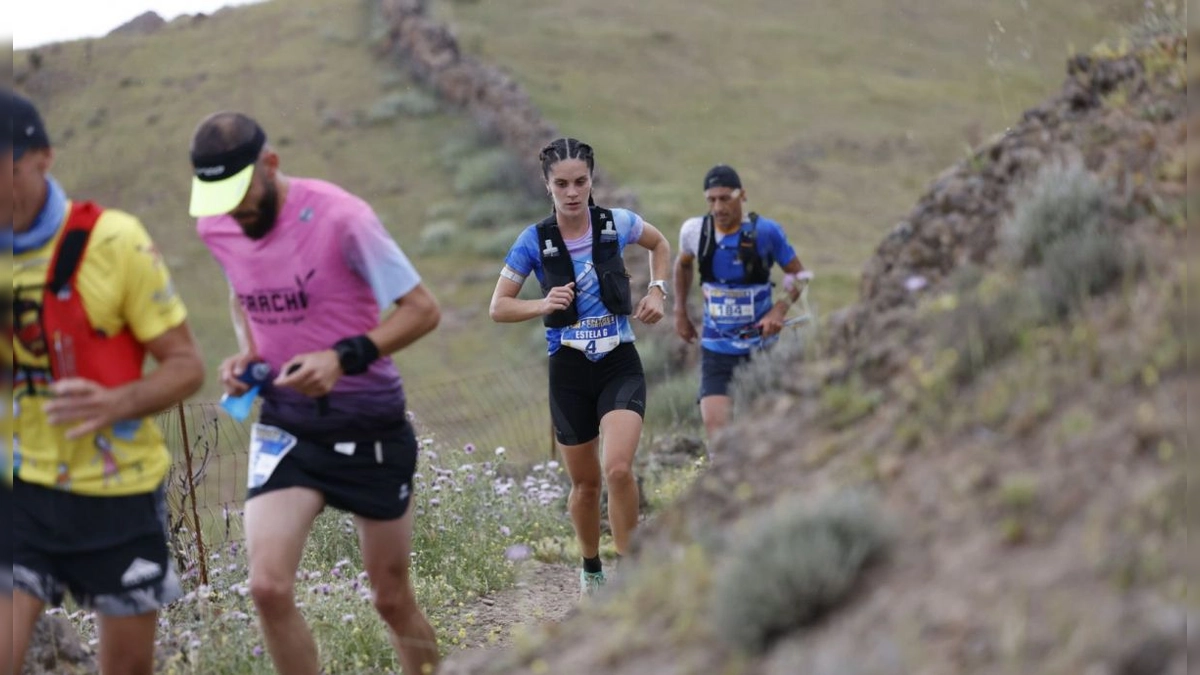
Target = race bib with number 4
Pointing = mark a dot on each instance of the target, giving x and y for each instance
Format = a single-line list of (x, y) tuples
[(268, 445), (594, 336)]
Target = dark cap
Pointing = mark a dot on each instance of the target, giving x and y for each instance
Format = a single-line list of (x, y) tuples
[(722, 175), (27, 131)]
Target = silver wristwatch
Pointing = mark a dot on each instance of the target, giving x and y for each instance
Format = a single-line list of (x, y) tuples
[(660, 284)]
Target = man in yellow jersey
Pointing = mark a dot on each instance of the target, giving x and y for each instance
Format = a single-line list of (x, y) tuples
[(92, 299)]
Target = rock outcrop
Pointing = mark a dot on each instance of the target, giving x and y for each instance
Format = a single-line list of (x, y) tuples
[(142, 24), (431, 53)]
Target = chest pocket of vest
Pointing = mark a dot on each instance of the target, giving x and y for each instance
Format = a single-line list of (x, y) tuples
[(614, 285), (559, 270)]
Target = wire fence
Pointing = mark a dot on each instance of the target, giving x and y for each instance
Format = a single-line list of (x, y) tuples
[(207, 483)]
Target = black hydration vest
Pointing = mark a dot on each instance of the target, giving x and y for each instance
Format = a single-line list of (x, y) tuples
[(559, 270), (755, 270)]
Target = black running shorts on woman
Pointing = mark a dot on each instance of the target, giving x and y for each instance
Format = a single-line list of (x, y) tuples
[(582, 391)]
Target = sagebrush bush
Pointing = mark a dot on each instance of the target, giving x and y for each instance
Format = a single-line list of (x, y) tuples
[(768, 370), (496, 244), (447, 210), (983, 330), (847, 402), (494, 169), (1160, 19), (658, 362), (457, 148), (438, 236), (1063, 199), (1060, 227), (497, 209), (673, 403), (410, 103), (793, 565), (1082, 265)]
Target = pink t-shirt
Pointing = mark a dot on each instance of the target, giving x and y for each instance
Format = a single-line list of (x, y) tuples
[(324, 272)]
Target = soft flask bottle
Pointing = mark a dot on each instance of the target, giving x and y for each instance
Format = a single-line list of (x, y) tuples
[(256, 374)]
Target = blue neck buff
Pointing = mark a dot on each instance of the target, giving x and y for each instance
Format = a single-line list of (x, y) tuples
[(46, 225)]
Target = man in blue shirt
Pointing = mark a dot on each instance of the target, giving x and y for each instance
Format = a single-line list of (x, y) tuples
[(735, 252)]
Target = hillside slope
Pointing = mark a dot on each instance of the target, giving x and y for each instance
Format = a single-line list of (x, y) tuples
[(1009, 392), (835, 114)]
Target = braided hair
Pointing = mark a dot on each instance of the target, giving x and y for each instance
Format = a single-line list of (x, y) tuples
[(567, 148)]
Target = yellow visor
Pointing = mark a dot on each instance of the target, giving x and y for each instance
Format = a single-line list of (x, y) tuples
[(215, 198)]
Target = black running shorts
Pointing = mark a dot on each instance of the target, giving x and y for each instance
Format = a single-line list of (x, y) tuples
[(6, 539), (372, 479), (109, 552), (582, 391), (716, 372)]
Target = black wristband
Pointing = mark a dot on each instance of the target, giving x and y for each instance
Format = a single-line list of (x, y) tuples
[(356, 354)]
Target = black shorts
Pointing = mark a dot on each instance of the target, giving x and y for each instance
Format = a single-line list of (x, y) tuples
[(372, 479), (583, 391), (109, 552), (6, 539), (716, 371)]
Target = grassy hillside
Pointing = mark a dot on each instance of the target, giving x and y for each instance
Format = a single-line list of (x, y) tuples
[(837, 114)]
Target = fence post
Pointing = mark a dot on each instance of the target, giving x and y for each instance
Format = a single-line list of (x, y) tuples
[(191, 487)]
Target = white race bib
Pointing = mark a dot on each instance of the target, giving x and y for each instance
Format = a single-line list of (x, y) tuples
[(594, 336), (730, 307), (268, 445)]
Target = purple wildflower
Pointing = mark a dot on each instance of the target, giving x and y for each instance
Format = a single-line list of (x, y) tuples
[(517, 552)]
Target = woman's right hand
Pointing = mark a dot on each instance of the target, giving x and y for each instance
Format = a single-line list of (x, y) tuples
[(231, 368), (559, 298)]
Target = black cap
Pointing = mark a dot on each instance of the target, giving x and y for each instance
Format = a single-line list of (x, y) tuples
[(28, 131), (722, 175)]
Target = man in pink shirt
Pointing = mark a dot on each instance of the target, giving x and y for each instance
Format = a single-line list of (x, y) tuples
[(311, 269)]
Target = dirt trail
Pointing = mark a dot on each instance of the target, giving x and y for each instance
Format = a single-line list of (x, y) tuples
[(544, 593)]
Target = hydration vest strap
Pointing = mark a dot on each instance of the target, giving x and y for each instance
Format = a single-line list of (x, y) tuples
[(71, 246)]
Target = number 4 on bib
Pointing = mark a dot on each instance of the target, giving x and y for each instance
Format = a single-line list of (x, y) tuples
[(594, 336)]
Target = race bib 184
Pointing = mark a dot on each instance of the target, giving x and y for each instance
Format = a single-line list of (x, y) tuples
[(268, 445), (594, 336), (733, 307)]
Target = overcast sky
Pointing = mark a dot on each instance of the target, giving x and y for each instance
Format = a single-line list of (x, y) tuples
[(35, 22)]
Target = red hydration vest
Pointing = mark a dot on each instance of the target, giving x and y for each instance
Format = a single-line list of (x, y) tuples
[(75, 347)]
